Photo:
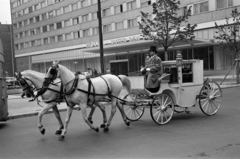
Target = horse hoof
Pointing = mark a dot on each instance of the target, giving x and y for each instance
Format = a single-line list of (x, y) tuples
[(61, 138), (105, 129), (90, 121), (102, 126), (58, 132), (97, 130), (42, 131), (128, 123)]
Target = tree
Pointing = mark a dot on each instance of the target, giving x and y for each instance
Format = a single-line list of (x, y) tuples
[(165, 28), (228, 37)]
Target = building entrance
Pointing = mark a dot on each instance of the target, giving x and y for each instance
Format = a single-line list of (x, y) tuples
[(119, 67)]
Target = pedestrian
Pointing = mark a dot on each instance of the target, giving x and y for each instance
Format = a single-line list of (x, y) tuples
[(152, 70)]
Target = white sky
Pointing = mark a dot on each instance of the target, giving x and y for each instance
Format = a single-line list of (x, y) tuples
[(5, 13)]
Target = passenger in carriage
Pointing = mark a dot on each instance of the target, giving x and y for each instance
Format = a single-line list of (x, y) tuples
[(152, 70)]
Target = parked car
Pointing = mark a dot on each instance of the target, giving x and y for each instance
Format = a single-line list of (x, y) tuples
[(11, 82)]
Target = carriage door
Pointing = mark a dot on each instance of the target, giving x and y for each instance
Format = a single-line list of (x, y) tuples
[(119, 67)]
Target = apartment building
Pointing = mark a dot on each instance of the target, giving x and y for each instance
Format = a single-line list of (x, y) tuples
[(67, 31)]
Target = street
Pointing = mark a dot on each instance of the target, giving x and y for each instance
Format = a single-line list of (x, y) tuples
[(185, 136)]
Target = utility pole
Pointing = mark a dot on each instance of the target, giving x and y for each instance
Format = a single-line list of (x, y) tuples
[(100, 37)]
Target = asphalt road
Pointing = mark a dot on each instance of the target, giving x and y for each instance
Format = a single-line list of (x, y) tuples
[(185, 136)]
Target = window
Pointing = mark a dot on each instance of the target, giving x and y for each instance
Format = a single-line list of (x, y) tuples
[(68, 36), (32, 32), (119, 26), (95, 31), (67, 23), (31, 20), (84, 3), (44, 16), (76, 35), (85, 18), (59, 25), (21, 35), (86, 32), (21, 45), (201, 7), (51, 27), (43, 4), (26, 45), (38, 30), (26, 33), (33, 43), (182, 11), (144, 4), (107, 28), (118, 9), (20, 13), (52, 39), (58, 12), (74, 6), (38, 42), (16, 47), (94, 1), (44, 29), (131, 5), (106, 12), (94, 15), (132, 23), (224, 3), (66, 9), (37, 6), (45, 41), (60, 38), (25, 22), (37, 19), (30, 10), (50, 2), (75, 21), (25, 11), (16, 36), (50, 14), (20, 24)]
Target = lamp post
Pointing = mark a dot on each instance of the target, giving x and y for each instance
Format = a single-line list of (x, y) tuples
[(100, 37)]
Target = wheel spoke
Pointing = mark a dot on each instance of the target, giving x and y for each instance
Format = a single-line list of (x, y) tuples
[(205, 103)]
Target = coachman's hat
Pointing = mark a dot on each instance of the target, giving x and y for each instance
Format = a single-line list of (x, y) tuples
[(153, 48)]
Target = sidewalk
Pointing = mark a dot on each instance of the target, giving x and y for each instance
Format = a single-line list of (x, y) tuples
[(19, 107)]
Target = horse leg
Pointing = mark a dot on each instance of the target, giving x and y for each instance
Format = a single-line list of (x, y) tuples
[(57, 114), (91, 114), (68, 116), (83, 107), (120, 107), (40, 115), (113, 111), (102, 108)]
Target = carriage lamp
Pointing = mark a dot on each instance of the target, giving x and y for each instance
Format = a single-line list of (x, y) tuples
[(179, 59)]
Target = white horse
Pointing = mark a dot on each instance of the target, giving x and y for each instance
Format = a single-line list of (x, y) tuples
[(51, 95), (81, 92)]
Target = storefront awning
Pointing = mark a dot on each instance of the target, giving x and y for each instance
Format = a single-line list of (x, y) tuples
[(142, 45)]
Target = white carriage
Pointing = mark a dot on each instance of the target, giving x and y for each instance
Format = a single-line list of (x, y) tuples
[(182, 85)]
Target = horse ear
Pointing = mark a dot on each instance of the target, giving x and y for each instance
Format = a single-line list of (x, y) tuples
[(55, 63)]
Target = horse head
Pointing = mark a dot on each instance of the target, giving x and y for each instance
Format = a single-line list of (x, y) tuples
[(26, 84), (52, 72)]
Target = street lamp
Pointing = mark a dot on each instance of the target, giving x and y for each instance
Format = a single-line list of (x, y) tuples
[(100, 37)]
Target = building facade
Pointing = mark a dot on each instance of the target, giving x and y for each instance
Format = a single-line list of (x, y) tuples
[(7, 46), (67, 31)]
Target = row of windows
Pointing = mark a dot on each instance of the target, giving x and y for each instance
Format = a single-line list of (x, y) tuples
[(74, 35), (70, 22), (204, 6), (91, 16), (45, 3)]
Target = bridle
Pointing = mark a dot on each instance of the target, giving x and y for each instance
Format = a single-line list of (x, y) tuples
[(53, 72), (28, 87)]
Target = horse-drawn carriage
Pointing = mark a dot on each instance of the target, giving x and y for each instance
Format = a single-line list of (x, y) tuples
[(182, 84)]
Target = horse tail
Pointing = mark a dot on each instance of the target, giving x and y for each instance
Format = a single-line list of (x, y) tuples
[(126, 82)]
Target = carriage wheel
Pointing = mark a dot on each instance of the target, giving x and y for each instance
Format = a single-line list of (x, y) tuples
[(179, 109), (162, 109), (210, 98), (134, 110)]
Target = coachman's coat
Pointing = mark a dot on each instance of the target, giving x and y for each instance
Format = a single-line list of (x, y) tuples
[(154, 63)]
